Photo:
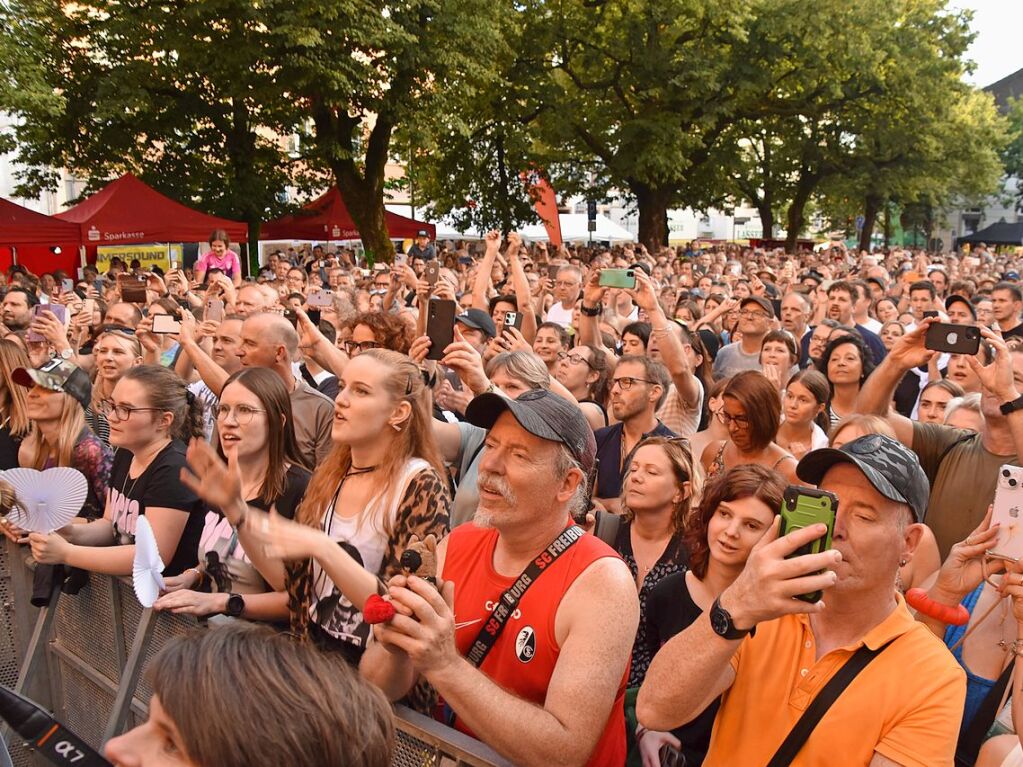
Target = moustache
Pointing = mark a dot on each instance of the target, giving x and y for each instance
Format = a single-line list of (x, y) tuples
[(494, 483)]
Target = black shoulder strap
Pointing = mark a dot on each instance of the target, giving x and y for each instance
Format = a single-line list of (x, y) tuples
[(972, 737), (797, 737), (494, 625)]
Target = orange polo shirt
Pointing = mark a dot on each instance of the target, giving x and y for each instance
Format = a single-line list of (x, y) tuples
[(906, 705)]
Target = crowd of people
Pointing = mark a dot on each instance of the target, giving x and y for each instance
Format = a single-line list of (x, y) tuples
[(598, 453)]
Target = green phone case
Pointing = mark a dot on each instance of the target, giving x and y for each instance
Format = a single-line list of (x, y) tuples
[(617, 278), (805, 506)]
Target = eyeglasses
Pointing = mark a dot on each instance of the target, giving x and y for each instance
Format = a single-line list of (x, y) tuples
[(575, 359), (360, 346), (747, 314), (627, 382), (116, 329), (243, 414), (740, 421), (123, 412)]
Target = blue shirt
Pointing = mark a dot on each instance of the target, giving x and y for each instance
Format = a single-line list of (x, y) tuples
[(611, 468)]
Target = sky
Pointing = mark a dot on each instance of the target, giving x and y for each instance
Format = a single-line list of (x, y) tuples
[(996, 51)]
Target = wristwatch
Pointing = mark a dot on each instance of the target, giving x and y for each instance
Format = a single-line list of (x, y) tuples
[(235, 605), (1012, 406), (66, 354), (721, 622)]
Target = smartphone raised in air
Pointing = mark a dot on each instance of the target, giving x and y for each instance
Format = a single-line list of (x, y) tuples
[(1008, 506), (440, 326), (617, 278), (805, 506), (954, 339)]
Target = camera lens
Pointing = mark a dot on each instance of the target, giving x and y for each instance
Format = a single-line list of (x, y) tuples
[(1005, 472), (1012, 483)]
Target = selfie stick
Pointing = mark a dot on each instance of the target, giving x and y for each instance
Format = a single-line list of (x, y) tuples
[(54, 741)]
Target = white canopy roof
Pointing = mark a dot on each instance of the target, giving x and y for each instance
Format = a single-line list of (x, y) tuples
[(573, 229)]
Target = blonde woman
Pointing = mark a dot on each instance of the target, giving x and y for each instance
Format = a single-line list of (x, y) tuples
[(661, 485), (117, 350), (382, 483)]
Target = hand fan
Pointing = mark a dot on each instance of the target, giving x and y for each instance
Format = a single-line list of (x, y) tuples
[(45, 501), (147, 568)]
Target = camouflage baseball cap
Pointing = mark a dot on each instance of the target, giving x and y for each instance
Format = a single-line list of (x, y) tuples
[(891, 467), (58, 375)]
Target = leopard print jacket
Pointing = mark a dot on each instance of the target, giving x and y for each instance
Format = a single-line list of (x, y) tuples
[(423, 510)]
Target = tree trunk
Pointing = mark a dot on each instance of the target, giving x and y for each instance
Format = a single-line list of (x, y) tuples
[(871, 207), (503, 203), (653, 215), (795, 221), (367, 209), (766, 219), (252, 249)]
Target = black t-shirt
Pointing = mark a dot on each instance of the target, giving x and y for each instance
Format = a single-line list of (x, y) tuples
[(9, 446), (158, 486), (226, 563), (1016, 331), (670, 609)]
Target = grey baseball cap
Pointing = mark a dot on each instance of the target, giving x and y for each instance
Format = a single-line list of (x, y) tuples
[(544, 415), (478, 319), (891, 467)]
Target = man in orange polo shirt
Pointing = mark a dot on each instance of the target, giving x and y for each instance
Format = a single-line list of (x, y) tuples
[(904, 708)]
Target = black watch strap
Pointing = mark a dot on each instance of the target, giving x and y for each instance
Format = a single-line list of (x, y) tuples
[(721, 622), (1011, 407), (589, 311)]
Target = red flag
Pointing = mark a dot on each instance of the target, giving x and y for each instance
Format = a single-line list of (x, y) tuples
[(545, 203)]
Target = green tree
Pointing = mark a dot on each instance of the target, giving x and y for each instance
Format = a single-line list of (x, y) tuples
[(179, 97), (1012, 155), (362, 70)]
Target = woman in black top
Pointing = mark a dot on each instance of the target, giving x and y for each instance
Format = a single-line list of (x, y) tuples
[(659, 485), (257, 439), (738, 507), (14, 422), (152, 416)]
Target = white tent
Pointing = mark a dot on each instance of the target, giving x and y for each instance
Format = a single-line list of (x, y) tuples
[(574, 229)]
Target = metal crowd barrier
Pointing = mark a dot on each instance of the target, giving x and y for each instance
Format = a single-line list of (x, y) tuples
[(84, 658)]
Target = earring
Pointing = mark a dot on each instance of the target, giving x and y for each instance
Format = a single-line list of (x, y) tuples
[(902, 563), (396, 426)]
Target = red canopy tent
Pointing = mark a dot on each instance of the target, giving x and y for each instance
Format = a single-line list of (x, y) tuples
[(327, 218), (35, 236), (129, 212)]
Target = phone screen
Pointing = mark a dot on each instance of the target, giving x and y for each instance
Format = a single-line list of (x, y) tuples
[(165, 323), (440, 326)]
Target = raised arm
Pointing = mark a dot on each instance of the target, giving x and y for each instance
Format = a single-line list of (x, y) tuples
[(520, 285), (878, 390), (672, 353), (481, 287)]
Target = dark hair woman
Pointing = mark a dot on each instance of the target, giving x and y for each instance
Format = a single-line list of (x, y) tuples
[(257, 440), (15, 424), (805, 402), (751, 410), (584, 372), (738, 507), (846, 362), (152, 416)]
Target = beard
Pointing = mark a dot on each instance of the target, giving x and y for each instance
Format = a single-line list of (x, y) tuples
[(495, 484)]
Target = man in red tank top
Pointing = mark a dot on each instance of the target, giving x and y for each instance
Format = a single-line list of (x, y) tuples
[(550, 687)]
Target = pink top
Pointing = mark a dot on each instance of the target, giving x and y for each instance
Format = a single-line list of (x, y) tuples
[(228, 263)]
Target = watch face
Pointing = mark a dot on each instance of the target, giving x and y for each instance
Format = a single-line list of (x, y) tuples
[(235, 605), (719, 621)]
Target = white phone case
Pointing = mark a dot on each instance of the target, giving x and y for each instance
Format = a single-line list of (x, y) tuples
[(1008, 513)]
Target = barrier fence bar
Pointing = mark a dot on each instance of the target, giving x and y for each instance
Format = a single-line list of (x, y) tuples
[(84, 657)]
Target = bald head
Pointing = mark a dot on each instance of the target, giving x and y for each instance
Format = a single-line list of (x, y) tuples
[(267, 340)]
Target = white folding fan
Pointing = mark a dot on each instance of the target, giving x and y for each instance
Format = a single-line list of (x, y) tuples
[(44, 501), (147, 569)]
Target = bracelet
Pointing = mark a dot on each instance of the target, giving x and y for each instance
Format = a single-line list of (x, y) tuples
[(923, 604), (589, 311)]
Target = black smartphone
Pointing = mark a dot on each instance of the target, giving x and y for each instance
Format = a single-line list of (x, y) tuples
[(954, 339), (432, 272), (552, 272), (930, 314), (440, 326), (290, 316), (805, 506), (313, 315)]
